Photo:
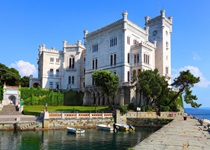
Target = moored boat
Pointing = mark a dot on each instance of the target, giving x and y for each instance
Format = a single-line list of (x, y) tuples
[(125, 127), (75, 130), (105, 127)]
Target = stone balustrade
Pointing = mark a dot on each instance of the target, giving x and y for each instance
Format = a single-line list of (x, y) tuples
[(48, 115)]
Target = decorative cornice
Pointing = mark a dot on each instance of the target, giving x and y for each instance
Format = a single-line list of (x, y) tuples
[(105, 28)]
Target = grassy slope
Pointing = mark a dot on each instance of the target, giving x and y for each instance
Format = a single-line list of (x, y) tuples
[(28, 109)]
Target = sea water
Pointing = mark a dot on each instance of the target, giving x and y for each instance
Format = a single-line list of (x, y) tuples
[(201, 113), (61, 140)]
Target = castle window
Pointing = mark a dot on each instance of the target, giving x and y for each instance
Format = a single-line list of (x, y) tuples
[(166, 33), (51, 72), (113, 42), (166, 70), (57, 72), (51, 59), (115, 59), (134, 73), (51, 85), (167, 45), (69, 81), (57, 60), (128, 58), (95, 48), (139, 71), (128, 76), (128, 40), (57, 85), (93, 64), (135, 41), (137, 58), (84, 59), (72, 79), (111, 60), (71, 63), (146, 59), (96, 61)]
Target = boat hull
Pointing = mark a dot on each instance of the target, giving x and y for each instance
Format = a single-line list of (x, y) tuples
[(75, 131), (104, 127)]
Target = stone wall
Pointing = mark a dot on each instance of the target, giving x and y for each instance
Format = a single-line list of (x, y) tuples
[(81, 123), (163, 115), (82, 120)]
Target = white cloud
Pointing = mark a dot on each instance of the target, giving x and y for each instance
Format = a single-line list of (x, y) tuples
[(24, 68), (196, 56), (196, 72)]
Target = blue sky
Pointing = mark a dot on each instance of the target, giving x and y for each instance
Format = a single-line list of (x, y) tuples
[(24, 25)]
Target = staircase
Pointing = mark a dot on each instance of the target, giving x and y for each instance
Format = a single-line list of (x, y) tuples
[(9, 110)]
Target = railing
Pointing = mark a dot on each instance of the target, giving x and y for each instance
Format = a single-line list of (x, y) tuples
[(76, 115)]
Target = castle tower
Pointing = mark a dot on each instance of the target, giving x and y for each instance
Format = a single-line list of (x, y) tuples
[(160, 30)]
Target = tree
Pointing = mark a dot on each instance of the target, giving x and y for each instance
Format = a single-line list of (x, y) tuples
[(108, 81), (153, 86), (9, 75), (24, 82), (184, 82)]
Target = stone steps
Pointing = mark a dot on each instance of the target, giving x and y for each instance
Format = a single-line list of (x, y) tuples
[(9, 110)]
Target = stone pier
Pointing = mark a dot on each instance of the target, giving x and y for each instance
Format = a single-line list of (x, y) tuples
[(179, 134)]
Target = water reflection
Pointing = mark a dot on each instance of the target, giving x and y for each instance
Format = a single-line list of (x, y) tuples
[(60, 139)]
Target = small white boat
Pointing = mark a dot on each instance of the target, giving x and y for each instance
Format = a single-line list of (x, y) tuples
[(105, 127), (125, 127), (75, 130)]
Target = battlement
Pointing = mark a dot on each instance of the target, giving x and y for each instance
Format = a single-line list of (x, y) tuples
[(149, 20)]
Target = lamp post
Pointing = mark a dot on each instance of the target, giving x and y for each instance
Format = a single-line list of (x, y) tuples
[(138, 109), (46, 106)]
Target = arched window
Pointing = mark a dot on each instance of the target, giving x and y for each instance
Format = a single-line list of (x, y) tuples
[(167, 45), (134, 73), (139, 71), (69, 81), (166, 33), (51, 72), (57, 72), (111, 60), (128, 58), (128, 76), (115, 59)]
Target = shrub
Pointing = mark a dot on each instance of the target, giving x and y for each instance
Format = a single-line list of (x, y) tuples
[(132, 106), (123, 109)]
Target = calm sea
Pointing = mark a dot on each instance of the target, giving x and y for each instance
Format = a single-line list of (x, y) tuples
[(61, 140), (202, 113)]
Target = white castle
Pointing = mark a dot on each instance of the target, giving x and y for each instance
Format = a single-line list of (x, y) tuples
[(122, 47)]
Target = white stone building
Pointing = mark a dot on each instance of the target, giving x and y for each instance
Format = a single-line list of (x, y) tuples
[(122, 47), (61, 69)]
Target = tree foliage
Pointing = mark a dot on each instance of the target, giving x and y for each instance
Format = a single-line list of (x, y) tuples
[(108, 82), (184, 82), (156, 89), (24, 82), (152, 85), (9, 75)]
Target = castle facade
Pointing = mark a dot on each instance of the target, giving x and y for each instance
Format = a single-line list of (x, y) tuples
[(122, 47)]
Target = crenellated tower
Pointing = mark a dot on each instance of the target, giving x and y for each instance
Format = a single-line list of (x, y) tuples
[(160, 30)]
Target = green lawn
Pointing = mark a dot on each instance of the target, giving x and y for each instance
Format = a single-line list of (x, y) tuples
[(35, 110)]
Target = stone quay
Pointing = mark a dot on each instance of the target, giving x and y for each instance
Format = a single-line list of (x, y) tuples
[(179, 134)]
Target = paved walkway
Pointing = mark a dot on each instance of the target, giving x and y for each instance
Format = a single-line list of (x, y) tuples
[(9, 114), (178, 135)]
